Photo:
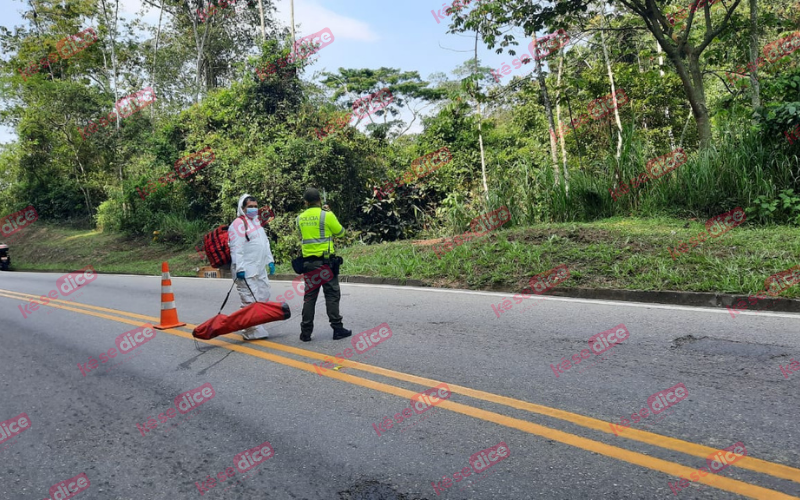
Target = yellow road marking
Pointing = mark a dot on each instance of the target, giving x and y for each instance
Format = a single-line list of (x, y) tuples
[(666, 442), (635, 458), (26, 297), (5, 293)]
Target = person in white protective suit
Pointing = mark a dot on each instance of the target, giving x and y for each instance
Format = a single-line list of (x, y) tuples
[(250, 255)]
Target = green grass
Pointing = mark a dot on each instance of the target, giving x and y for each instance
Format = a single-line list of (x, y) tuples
[(616, 253), (51, 248)]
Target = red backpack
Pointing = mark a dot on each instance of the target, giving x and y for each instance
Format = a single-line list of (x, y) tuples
[(216, 245)]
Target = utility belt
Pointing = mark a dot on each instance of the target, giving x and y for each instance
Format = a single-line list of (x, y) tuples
[(332, 260)]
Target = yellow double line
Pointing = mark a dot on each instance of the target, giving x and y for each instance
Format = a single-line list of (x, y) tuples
[(635, 458)]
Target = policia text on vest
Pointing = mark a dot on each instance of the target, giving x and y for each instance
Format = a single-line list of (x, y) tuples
[(317, 228)]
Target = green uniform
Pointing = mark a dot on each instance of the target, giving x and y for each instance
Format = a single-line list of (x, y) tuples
[(317, 229)]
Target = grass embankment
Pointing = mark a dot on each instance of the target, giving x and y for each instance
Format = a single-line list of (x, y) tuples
[(615, 253)]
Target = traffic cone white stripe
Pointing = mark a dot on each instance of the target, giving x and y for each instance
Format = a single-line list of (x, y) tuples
[(169, 313)]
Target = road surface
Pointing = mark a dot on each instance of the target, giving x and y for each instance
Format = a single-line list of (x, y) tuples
[(228, 419)]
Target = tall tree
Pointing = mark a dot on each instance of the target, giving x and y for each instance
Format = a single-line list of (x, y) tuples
[(755, 89), (490, 19), (684, 52), (666, 106), (408, 90), (558, 118), (611, 83)]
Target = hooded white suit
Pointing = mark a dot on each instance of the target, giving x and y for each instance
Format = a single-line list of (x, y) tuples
[(252, 257)]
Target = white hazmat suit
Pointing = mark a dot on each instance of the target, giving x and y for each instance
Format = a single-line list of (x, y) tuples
[(252, 257)]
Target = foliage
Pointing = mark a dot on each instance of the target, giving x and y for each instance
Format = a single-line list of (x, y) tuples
[(407, 89), (263, 131), (616, 253), (786, 207), (400, 215)]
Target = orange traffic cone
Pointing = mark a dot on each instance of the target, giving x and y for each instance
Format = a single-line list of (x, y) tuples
[(169, 314)]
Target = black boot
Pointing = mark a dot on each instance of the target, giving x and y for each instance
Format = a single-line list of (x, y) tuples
[(341, 333), (305, 338)]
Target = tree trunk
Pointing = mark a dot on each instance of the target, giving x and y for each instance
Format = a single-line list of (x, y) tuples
[(82, 176), (114, 159), (113, 52), (483, 156), (692, 80), (613, 87), (558, 119), (683, 54), (697, 99), (547, 109), (666, 109), (199, 43), (264, 31), (155, 56), (755, 89), (480, 129), (292, 7)]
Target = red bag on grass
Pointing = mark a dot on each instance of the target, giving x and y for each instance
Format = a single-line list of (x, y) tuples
[(252, 315)]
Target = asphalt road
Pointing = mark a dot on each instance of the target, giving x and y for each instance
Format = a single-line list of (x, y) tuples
[(327, 428)]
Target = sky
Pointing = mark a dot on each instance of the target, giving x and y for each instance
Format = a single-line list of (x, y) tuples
[(367, 34)]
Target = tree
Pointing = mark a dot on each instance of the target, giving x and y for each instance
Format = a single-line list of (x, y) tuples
[(684, 53), (408, 90), (490, 19), (756, 90)]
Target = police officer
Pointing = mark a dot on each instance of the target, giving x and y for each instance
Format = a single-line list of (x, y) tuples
[(317, 228)]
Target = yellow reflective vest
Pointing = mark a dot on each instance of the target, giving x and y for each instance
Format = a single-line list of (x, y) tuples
[(317, 228)]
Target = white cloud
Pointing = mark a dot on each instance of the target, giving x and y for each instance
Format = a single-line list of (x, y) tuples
[(312, 17)]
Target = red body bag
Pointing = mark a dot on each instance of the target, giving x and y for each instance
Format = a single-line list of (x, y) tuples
[(252, 315)]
